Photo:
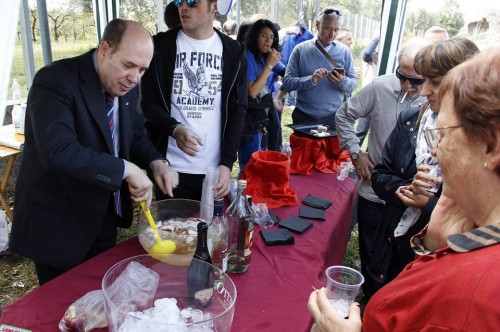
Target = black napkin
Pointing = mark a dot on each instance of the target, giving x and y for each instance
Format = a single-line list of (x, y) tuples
[(316, 202), (311, 213), (273, 237), (274, 217), (296, 224)]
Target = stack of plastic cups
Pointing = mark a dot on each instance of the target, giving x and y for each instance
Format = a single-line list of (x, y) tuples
[(207, 194)]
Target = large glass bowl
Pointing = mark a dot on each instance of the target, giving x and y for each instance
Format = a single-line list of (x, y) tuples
[(127, 299), (176, 220)]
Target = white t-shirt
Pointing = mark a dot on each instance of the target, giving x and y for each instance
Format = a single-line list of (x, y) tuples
[(196, 101)]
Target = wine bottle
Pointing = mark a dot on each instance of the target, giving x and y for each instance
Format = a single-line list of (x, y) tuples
[(218, 236), (200, 276), (240, 224)]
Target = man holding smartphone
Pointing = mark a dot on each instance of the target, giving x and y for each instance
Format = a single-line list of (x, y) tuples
[(320, 88)]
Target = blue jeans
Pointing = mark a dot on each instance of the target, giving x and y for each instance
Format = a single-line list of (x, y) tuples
[(248, 145)]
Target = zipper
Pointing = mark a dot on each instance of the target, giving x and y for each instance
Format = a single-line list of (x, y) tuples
[(227, 99), (159, 85)]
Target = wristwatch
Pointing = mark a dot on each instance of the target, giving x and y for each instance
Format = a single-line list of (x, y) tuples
[(355, 154)]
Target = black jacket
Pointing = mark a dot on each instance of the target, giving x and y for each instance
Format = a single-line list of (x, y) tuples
[(68, 172), (156, 89), (396, 168)]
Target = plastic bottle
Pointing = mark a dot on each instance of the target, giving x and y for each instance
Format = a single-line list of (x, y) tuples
[(240, 224), (4, 231), (218, 236), (16, 117), (16, 91), (200, 276), (287, 149)]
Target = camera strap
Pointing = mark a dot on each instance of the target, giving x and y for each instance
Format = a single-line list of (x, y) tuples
[(327, 56)]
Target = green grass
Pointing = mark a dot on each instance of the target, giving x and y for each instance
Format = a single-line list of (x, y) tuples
[(60, 50)]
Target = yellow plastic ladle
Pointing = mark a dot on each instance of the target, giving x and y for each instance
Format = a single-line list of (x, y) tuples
[(161, 246)]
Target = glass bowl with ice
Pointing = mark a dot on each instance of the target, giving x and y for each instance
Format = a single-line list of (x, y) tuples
[(143, 293)]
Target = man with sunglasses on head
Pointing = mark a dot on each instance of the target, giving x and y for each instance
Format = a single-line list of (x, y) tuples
[(382, 101), (194, 97), (320, 88)]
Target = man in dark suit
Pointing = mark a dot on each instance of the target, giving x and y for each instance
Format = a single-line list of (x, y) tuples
[(81, 168)]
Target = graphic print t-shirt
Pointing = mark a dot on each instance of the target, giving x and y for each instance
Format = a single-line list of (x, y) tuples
[(196, 101)]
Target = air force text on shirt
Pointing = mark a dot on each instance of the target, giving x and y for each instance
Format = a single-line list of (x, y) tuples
[(199, 81)]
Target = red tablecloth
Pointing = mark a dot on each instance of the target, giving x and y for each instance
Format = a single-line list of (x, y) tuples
[(272, 294)]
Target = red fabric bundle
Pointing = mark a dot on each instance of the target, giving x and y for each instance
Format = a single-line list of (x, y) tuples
[(267, 174), (315, 154)]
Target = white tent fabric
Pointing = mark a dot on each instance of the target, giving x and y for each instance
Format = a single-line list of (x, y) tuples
[(9, 16)]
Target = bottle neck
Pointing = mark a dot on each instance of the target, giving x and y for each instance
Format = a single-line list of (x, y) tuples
[(202, 243), (218, 204)]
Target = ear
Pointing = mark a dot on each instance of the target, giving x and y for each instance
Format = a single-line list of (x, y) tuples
[(102, 49), (214, 8), (494, 155)]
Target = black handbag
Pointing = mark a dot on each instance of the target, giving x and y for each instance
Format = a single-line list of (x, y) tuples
[(257, 117)]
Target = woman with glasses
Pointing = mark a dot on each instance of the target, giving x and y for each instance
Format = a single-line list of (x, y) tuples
[(263, 59), (407, 211), (453, 285)]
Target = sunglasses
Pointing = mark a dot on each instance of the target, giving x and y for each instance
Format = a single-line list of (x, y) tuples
[(189, 3), (412, 80), (332, 11)]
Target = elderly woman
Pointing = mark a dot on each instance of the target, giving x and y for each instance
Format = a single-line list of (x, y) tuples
[(454, 285), (404, 150)]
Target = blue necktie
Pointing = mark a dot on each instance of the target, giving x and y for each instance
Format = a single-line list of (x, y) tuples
[(110, 105)]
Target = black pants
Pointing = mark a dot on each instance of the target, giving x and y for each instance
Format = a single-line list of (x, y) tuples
[(369, 216), (106, 239), (190, 187)]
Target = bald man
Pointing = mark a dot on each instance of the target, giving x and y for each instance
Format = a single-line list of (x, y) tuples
[(84, 153)]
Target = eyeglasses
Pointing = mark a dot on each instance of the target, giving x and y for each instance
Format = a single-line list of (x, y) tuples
[(189, 3), (330, 11), (433, 135), (412, 80), (264, 35)]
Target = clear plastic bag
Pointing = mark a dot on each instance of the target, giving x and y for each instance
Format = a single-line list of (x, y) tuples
[(133, 290), (85, 314), (261, 215), (344, 169)]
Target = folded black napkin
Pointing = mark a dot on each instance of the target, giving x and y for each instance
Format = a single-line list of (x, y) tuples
[(311, 213), (317, 202), (274, 217), (296, 224), (273, 237)]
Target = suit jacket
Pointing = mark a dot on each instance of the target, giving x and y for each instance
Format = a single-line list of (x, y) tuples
[(68, 172)]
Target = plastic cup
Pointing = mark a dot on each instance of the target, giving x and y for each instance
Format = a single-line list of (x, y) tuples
[(435, 171), (342, 286)]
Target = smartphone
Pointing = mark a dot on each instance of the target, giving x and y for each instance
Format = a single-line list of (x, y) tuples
[(341, 71)]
